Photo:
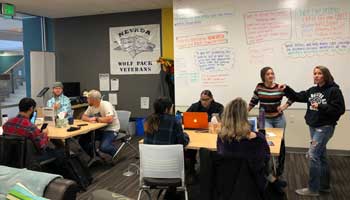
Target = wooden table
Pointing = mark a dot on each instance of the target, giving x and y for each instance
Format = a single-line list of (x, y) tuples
[(204, 139), (63, 134), (200, 139)]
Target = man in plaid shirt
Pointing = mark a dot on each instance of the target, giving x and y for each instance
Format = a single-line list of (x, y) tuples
[(21, 125)]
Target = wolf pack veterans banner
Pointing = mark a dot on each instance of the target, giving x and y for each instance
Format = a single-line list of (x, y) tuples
[(135, 49)]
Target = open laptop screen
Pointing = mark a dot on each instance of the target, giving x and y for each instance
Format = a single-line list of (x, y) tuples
[(195, 120), (253, 121)]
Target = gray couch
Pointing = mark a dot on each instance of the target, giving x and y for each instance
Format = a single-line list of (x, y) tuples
[(51, 186)]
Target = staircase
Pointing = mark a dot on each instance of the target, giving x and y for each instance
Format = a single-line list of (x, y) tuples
[(12, 88)]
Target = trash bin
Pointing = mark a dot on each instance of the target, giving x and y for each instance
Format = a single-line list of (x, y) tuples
[(139, 126)]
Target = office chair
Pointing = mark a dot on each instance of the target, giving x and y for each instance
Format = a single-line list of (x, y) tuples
[(123, 135), (20, 152), (161, 167)]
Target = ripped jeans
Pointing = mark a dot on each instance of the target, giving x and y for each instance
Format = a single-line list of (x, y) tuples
[(319, 174)]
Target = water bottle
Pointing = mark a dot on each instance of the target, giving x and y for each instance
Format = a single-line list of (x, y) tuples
[(4, 118), (178, 117), (262, 120), (71, 117), (214, 123)]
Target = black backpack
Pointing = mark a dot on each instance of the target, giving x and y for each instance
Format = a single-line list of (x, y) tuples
[(75, 169)]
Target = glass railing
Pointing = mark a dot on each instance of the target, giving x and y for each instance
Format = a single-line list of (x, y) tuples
[(12, 89)]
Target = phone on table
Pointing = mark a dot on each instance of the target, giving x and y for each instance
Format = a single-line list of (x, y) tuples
[(43, 127)]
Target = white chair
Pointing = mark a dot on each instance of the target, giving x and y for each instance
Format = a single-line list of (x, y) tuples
[(161, 166), (123, 134)]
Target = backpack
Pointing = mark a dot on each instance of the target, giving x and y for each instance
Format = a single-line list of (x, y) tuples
[(75, 169)]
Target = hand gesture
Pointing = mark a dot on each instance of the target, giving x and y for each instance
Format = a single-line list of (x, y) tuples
[(281, 108), (92, 119), (56, 105), (314, 105), (282, 87)]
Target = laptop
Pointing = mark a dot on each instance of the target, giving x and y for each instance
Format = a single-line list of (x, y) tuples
[(253, 121), (195, 120)]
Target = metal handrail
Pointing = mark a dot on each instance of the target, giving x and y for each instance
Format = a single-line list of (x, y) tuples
[(20, 61)]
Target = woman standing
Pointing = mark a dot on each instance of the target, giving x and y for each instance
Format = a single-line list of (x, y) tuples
[(325, 105), (270, 97)]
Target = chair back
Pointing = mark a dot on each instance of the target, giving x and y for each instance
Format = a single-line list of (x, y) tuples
[(227, 177), (13, 151), (124, 117), (161, 161)]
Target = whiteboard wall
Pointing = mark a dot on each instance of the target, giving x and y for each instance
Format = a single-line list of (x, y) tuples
[(222, 45)]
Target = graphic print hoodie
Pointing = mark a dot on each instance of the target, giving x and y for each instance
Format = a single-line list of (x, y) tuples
[(330, 103)]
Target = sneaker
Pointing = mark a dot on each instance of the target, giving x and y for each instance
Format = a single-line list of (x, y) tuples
[(104, 156), (279, 185), (325, 190), (307, 192)]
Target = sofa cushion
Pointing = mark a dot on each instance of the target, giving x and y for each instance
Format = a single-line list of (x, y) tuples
[(34, 181)]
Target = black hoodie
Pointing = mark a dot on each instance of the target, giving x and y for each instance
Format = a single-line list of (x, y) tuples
[(330, 103)]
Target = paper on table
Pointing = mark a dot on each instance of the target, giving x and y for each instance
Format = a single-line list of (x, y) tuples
[(270, 134), (113, 98), (144, 102), (114, 84), (104, 82)]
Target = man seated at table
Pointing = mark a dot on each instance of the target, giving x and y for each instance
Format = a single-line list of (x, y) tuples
[(206, 104), (21, 126), (59, 101), (102, 112)]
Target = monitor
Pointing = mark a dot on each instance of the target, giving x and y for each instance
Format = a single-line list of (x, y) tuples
[(71, 89)]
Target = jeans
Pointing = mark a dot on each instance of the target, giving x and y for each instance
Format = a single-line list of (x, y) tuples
[(278, 122), (106, 138), (319, 170), (106, 145)]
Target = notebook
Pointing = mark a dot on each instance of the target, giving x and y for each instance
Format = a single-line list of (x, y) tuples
[(195, 120)]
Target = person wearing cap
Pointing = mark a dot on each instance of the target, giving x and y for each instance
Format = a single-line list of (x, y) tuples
[(100, 111), (59, 102)]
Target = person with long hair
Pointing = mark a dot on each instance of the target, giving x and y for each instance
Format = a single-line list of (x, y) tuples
[(236, 137), (325, 105), (270, 97), (206, 104), (161, 127)]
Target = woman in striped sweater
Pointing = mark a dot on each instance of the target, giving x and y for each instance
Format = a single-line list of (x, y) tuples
[(270, 98)]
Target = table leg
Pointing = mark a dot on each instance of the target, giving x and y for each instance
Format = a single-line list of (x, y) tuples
[(274, 165), (94, 157), (67, 148)]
